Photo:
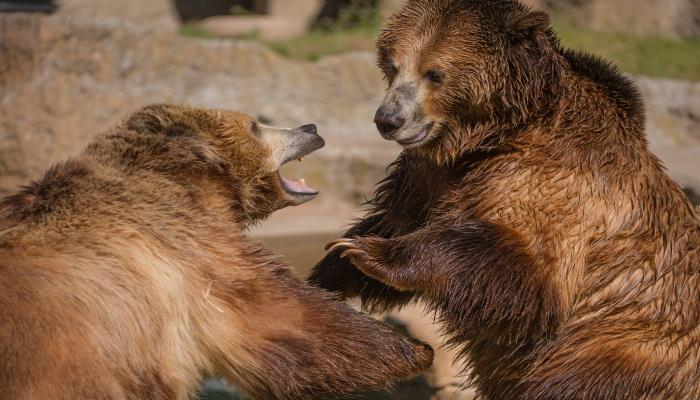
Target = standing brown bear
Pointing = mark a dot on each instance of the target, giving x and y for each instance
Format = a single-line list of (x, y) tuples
[(126, 273), (528, 211)]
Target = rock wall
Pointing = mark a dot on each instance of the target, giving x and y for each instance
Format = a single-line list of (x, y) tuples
[(673, 126), (64, 79), (673, 18), (676, 18), (284, 20), (156, 14)]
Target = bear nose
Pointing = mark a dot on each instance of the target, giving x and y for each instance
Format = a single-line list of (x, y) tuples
[(310, 129), (388, 122)]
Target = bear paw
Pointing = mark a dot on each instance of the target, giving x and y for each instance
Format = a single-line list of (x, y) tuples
[(353, 249), (366, 255)]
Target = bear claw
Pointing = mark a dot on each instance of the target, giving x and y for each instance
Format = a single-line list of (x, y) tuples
[(336, 244)]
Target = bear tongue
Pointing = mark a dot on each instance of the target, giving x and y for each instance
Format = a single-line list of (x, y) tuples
[(298, 186)]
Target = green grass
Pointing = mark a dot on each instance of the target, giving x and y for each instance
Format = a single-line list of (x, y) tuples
[(356, 29), (195, 30), (322, 42), (649, 56)]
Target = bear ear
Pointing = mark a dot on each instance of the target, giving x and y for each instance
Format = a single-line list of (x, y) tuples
[(170, 120), (525, 24)]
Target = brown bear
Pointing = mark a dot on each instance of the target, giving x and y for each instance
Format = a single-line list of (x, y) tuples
[(527, 210), (126, 273)]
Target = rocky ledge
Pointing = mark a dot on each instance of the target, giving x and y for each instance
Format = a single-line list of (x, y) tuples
[(64, 79)]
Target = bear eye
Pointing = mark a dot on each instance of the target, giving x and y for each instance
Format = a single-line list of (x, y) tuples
[(391, 71), (435, 77), (255, 128)]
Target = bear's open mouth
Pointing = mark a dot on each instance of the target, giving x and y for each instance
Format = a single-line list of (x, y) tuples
[(297, 189), (295, 144)]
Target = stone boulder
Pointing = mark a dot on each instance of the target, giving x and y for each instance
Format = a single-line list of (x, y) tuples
[(285, 19), (155, 14), (672, 18), (65, 79), (673, 126), (675, 18)]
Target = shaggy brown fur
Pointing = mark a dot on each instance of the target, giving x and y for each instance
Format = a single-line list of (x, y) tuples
[(563, 260), (125, 274)]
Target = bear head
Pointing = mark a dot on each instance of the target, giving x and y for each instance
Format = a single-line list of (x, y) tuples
[(462, 73), (229, 152)]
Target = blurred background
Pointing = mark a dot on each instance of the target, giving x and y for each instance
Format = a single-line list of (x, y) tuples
[(69, 69)]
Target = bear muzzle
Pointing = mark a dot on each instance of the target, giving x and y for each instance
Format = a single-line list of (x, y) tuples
[(292, 144)]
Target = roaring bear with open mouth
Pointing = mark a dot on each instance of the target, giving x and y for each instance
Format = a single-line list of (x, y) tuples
[(125, 273), (527, 210)]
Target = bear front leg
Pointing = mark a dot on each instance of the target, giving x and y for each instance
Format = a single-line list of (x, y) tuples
[(475, 271), (338, 274), (280, 339), (401, 203), (384, 260)]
